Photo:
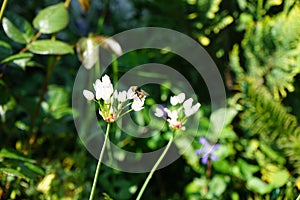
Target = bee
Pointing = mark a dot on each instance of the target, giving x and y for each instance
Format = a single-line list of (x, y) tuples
[(139, 92)]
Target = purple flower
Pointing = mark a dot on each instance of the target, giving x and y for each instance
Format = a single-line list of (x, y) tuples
[(207, 151)]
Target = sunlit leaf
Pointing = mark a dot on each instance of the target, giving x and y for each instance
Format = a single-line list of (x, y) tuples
[(17, 28), (259, 186), (12, 172), (5, 153), (275, 176), (45, 185), (49, 47), (52, 19), (19, 59)]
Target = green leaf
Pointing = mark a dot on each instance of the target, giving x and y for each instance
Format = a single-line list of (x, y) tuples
[(222, 117), (257, 185), (271, 153), (218, 185), (197, 188), (52, 19), (19, 59), (5, 49), (246, 169), (4, 153), (58, 101), (49, 47), (13, 172), (17, 28), (275, 176), (35, 168)]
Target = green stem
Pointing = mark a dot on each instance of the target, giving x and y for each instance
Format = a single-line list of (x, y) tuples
[(102, 18), (92, 194), (154, 168), (51, 63), (115, 69), (128, 111), (3, 8)]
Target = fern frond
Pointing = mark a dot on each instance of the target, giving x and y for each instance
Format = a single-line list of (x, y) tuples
[(272, 51), (270, 121)]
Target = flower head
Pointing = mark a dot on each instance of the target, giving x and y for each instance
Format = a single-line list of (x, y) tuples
[(112, 102), (207, 151), (180, 110)]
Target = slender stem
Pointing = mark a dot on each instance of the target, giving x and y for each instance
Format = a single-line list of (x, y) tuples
[(115, 69), (35, 37), (92, 194), (208, 169), (51, 63), (128, 111), (102, 18), (298, 198), (154, 168), (3, 8)]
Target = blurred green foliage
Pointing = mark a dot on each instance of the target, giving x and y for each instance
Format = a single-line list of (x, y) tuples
[(255, 44)]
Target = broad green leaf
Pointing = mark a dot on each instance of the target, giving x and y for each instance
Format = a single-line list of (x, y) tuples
[(19, 59), (5, 49), (49, 47), (52, 19), (17, 28), (257, 185), (4, 153), (275, 176)]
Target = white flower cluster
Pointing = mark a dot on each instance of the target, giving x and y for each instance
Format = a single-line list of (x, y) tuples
[(181, 110), (112, 102)]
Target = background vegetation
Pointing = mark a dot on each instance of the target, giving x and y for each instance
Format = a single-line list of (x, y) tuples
[(256, 46)]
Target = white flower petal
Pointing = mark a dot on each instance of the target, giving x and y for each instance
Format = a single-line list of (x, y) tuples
[(115, 95), (106, 80), (188, 103), (159, 112), (113, 45), (196, 107), (122, 96), (105, 88), (174, 100), (181, 97), (88, 95), (98, 87), (130, 93), (137, 105), (188, 111)]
